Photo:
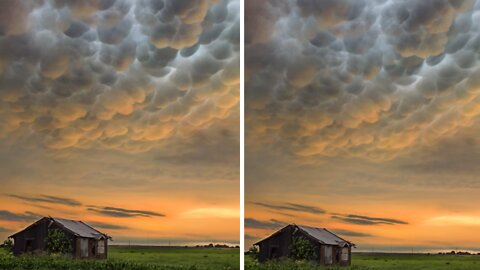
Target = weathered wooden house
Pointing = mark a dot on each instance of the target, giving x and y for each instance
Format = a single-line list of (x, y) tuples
[(329, 249), (86, 242)]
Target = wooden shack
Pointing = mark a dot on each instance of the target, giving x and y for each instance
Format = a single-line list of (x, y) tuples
[(86, 242), (329, 249)]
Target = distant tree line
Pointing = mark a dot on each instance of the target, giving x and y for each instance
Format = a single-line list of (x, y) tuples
[(458, 253), (216, 246)]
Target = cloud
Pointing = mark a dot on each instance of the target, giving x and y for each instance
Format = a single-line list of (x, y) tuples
[(260, 224), (125, 75), (251, 237), (173, 241), (3, 230), (107, 226), (122, 213), (26, 216), (451, 220), (351, 233), (47, 199), (292, 207), (214, 212), (361, 78), (365, 220)]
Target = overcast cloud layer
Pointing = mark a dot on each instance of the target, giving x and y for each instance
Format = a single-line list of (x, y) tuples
[(360, 78), (116, 74)]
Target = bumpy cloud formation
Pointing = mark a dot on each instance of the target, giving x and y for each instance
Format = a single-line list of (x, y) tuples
[(360, 78), (116, 73)]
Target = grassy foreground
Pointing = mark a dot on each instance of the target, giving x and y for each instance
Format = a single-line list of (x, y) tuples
[(134, 258), (381, 262)]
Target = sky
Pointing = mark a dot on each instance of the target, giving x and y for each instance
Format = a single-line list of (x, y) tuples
[(123, 114), (362, 117)]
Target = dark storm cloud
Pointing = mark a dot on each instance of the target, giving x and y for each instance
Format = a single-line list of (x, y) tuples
[(261, 224), (369, 79), (10, 216), (121, 212), (107, 226), (365, 220), (48, 199), (292, 207), (126, 75)]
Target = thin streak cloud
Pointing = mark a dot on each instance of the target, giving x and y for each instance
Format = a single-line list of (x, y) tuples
[(10, 216), (292, 207), (260, 224), (47, 199), (365, 220), (123, 213)]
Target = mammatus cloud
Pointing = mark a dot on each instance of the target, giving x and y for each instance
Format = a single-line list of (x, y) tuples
[(364, 220), (47, 199), (26, 216), (368, 79), (260, 224), (121, 212), (291, 207), (107, 226), (120, 74)]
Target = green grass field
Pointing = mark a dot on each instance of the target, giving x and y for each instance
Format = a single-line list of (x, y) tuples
[(134, 258), (381, 262)]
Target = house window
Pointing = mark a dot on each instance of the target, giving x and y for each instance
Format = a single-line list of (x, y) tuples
[(101, 247)]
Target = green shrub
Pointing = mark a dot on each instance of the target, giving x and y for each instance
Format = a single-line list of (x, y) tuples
[(302, 249), (58, 242)]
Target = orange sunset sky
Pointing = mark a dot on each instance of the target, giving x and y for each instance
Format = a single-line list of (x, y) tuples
[(123, 114), (362, 117)]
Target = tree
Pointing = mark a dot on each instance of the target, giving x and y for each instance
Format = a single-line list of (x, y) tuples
[(253, 251), (8, 245), (58, 242), (302, 249)]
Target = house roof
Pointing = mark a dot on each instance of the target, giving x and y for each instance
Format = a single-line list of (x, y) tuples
[(320, 235), (324, 236), (78, 228)]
